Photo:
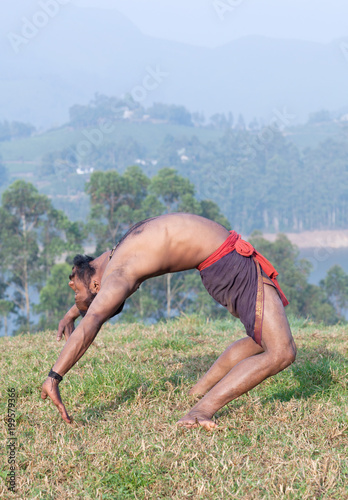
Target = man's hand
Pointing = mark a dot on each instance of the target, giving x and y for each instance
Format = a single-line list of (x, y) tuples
[(50, 388), (67, 325)]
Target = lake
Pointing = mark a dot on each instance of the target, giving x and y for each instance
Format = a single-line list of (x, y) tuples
[(322, 259)]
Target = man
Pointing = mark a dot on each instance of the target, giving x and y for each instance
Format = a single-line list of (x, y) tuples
[(233, 273)]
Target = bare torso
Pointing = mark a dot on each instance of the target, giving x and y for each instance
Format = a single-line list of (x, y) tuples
[(166, 244)]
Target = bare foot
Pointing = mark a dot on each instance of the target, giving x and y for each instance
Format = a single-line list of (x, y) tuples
[(195, 418)]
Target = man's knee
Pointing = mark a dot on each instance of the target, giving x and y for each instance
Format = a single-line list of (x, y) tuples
[(282, 358)]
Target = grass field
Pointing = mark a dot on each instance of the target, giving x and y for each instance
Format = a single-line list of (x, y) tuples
[(288, 438)]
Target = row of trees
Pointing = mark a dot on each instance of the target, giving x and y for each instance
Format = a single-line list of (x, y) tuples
[(103, 108), (38, 242), (262, 181), (15, 130)]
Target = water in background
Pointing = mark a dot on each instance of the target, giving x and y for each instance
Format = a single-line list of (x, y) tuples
[(322, 259)]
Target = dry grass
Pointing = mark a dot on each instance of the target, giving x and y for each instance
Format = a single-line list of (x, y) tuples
[(288, 438)]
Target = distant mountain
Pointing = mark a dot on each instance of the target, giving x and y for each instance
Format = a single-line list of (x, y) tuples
[(81, 51)]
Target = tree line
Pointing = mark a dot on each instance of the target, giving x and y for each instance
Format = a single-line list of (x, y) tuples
[(38, 243), (15, 130)]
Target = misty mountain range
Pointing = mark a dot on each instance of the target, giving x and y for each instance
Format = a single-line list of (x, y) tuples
[(78, 52)]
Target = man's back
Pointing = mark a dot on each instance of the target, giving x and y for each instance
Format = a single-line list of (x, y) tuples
[(168, 243)]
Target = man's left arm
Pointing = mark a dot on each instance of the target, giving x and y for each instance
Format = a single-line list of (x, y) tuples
[(113, 293)]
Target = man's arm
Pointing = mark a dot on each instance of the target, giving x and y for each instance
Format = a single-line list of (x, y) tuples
[(67, 325), (113, 293)]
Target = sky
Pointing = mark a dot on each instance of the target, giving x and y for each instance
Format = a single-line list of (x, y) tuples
[(215, 22), (208, 23)]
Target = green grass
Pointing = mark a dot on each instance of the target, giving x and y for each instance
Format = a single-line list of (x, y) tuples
[(287, 438)]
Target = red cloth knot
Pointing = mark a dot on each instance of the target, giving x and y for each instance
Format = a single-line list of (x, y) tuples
[(244, 248)]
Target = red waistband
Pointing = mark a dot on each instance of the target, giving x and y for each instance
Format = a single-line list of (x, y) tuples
[(235, 242)]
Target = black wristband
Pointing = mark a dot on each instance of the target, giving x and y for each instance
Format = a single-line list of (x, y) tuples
[(55, 375)]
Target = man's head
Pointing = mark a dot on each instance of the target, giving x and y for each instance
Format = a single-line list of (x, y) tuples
[(83, 283)]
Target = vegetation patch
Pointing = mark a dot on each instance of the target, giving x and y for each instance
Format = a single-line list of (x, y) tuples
[(287, 438)]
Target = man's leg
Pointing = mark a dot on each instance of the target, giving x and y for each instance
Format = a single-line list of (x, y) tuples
[(236, 352), (279, 352)]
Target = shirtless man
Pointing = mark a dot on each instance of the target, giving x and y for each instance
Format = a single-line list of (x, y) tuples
[(231, 270)]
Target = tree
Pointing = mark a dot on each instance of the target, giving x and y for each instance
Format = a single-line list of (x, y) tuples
[(219, 121), (198, 119), (305, 300), (115, 200), (9, 130), (3, 173), (103, 108), (171, 113), (240, 125), (6, 307), (170, 188), (19, 129), (59, 163), (56, 297), (26, 206), (32, 235), (57, 235), (335, 285), (5, 131), (211, 210)]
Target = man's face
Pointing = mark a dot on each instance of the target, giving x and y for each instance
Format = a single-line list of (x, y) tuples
[(83, 295)]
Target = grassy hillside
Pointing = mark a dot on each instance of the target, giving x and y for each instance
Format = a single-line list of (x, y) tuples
[(148, 134), (147, 141), (22, 157), (287, 438), (21, 154)]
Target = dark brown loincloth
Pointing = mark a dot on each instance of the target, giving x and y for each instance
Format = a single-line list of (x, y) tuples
[(236, 282)]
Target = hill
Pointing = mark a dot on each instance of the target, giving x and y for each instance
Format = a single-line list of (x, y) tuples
[(23, 157), (287, 438), (82, 51), (215, 158)]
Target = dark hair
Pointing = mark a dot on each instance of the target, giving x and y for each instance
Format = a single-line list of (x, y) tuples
[(83, 268)]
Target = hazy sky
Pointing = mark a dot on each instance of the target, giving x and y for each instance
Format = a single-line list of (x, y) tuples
[(214, 22)]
